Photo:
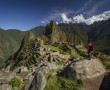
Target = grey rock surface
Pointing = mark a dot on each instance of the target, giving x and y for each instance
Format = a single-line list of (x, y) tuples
[(5, 87), (38, 82), (91, 72)]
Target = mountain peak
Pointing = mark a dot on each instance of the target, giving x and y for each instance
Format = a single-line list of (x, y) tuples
[(52, 22), (52, 26), (28, 38), (53, 31)]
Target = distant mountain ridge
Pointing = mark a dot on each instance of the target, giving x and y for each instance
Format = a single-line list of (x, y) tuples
[(56, 33), (9, 43), (99, 33)]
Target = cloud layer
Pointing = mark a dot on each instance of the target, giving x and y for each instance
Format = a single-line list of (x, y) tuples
[(81, 19), (65, 19)]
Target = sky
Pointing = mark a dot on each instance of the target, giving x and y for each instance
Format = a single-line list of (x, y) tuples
[(27, 14)]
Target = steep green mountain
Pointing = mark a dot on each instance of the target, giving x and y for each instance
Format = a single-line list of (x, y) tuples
[(54, 33), (28, 38), (64, 33), (75, 30), (38, 30), (10, 41), (100, 35)]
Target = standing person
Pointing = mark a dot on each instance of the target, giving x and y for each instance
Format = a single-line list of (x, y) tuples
[(90, 49)]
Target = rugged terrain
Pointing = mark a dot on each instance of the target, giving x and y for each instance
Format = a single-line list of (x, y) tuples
[(47, 65), (53, 60), (10, 41), (98, 33)]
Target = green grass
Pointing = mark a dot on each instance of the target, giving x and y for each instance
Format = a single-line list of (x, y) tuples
[(74, 53), (10, 42), (52, 47), (15, 82), (64, 49), (104, 59), (106, 64), (62, 83), (61, 62), (81, 48)]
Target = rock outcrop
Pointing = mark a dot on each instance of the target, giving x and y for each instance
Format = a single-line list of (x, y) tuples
[(39, 82), (91, 72)]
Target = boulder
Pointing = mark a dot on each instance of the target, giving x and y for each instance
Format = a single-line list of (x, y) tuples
[(91, 72), (30, 78), (38, 82)]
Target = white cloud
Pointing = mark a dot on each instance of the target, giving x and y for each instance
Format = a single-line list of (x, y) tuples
[(45, 21), (104, 16), (58, 15), (65, 19), (80, 18), (56, 22)]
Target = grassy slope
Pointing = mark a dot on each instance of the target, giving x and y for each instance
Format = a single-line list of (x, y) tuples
[(9, 43), (61, 83), (73, 51)]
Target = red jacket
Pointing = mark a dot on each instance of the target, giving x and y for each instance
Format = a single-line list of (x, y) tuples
[(90, 47)]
